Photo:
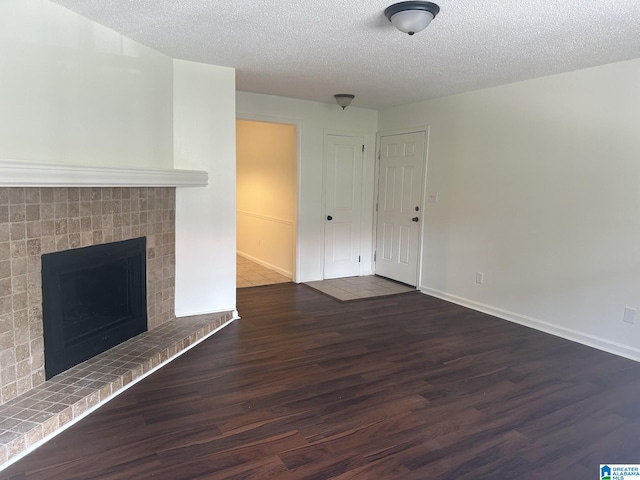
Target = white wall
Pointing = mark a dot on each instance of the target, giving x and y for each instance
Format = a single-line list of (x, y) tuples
[(538, 187), (73, 91), (314, 118), (204, 133), (266, 180)]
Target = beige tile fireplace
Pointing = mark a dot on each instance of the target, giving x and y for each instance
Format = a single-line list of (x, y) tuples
[(37, 220)]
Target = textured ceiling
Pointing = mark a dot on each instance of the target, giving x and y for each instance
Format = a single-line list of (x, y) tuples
[(311, 50)]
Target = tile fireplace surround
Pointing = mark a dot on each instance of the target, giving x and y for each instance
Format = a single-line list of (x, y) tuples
[(39, 220)]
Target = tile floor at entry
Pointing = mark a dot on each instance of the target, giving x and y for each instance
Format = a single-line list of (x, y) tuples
[(354, 288)]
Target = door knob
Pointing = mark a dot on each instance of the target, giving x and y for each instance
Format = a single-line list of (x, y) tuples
[(329, 217), (415, 219)]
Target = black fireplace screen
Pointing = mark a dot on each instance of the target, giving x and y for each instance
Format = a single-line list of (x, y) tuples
[(93, 298)]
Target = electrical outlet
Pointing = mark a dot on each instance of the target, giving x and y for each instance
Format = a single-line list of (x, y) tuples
[(479, 277), (629, 315)]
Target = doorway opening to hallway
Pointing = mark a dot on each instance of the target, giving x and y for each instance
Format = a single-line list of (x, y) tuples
[(266, 199)]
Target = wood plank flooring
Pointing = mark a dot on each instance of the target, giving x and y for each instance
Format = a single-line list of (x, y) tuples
[(404, 387)]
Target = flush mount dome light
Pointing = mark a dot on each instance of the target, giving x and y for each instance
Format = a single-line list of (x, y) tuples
[(411, 17), (344, 99)]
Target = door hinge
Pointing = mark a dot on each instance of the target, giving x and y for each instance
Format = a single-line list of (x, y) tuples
[(376, 207), (359, 259), (363, 148), (375, 254)]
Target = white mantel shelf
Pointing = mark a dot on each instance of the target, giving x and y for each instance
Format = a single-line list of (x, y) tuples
[(22, 173)]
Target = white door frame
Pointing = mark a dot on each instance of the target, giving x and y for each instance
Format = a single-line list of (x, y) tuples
[(344, 133), (298, 125), (423, 197)]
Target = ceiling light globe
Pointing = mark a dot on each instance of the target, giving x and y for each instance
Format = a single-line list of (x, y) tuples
[(344, 99), (412, 16), (411, 21)]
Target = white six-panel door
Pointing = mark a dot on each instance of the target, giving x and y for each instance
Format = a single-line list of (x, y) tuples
[(343, 205), (400, 186)]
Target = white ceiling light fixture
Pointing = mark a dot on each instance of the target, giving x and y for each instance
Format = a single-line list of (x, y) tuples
[(411, 17), (344, 99)]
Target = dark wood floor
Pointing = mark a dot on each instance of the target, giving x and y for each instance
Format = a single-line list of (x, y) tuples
[(404, 387)]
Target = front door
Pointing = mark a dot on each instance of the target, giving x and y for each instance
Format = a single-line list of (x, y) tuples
[(400, 186), (343, 205)]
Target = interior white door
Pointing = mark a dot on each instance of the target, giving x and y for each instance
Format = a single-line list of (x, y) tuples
[(400, 187), (343, 205)]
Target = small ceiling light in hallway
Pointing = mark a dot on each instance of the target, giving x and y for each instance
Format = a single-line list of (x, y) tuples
[(344, 99), (411, 17)]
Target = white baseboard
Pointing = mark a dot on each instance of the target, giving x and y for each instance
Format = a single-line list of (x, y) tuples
[(557, 330), (281, 271)]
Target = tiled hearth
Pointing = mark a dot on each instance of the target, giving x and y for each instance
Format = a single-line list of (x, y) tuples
[(39, 220), (33, 416)]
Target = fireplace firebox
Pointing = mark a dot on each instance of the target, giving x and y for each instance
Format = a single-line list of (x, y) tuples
[(93, 298)]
